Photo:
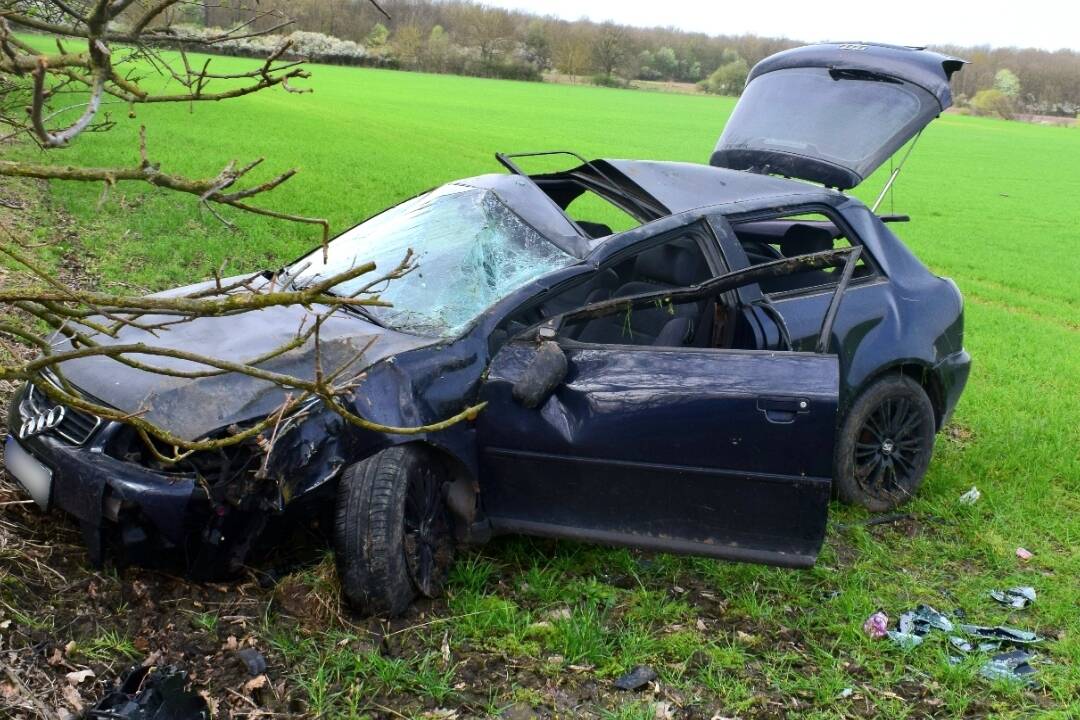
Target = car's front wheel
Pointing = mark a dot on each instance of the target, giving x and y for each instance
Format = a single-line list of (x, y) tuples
[(393, 535), (885, 444)]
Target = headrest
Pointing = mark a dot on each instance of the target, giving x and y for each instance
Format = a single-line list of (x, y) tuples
[(593, 229), (671, 264), (675, 333), (801, 239)]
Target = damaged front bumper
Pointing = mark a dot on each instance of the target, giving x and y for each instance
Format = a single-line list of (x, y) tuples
[(145, 507)]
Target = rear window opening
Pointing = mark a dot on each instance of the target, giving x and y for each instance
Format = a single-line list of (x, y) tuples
[(774, 239), (598, 217), (593, 195)]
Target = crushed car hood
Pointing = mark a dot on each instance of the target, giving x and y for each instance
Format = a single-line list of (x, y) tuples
[(833, 113), (193, 408)]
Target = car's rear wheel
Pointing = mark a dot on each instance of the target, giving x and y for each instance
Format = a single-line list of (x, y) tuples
[(393, 535), (885, 444)]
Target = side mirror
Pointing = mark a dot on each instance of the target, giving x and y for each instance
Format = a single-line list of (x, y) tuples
[(546, 371)]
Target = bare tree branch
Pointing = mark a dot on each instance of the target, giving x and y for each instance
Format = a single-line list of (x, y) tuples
[(53, 324)]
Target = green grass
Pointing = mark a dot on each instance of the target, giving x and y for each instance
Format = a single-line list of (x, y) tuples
[(995, 205), (106, 646)]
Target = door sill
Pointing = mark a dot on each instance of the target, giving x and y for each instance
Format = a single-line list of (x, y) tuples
[(733, 552)]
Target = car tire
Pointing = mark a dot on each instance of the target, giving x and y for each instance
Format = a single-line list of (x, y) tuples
[(885, 444), (393, 534)]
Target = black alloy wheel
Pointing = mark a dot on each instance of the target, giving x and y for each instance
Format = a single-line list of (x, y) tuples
[(428, 537), (885, 444)]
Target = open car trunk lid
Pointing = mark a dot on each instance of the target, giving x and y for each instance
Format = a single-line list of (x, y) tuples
[(833, 113)]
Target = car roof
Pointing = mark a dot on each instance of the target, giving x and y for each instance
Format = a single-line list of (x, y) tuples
[(678, 186), (682, 186)]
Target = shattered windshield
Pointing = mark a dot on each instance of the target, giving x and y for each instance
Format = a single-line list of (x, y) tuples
[(470, 251)]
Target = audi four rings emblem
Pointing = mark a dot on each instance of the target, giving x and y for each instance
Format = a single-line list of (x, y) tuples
[(42, 422)]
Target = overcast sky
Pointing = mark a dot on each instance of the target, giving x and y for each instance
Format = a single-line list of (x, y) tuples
[(1048, 24)]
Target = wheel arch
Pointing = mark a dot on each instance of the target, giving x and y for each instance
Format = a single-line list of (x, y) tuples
[(463, 491), (921, 372)]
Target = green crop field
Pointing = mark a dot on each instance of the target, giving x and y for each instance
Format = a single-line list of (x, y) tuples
[(545, 626)]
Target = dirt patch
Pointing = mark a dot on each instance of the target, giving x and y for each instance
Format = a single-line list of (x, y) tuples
[(61, 618), (1055, 120), (681, 88), (958, 434)]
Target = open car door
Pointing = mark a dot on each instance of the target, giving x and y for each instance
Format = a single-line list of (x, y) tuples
[(833, 113), (718, 452)]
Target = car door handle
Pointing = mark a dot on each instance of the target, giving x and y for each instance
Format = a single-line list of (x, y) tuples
[(783, 410)]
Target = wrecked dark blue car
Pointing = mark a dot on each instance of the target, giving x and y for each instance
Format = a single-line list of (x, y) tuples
[(701, 379)]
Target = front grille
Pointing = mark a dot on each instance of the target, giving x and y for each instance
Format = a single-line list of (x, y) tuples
[(76, 427)]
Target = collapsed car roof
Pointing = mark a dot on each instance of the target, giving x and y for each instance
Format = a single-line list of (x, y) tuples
[(645, 189)]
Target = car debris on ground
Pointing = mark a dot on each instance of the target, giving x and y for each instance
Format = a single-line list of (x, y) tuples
[(1014, 666), (1001, 634), (1016, 597), (151, 693), (913, 627), (636, 679), (971, 496)]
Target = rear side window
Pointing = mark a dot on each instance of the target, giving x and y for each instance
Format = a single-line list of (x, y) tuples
[(789, 236)]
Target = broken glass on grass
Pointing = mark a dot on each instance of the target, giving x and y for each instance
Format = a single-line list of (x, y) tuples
[(1014, 666), (1015, 597), (966, 646), (914, 625), (1001, 634)]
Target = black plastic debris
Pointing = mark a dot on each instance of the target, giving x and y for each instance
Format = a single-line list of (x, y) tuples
[(1001, 634), (914, 625), (1016, 597), (636, 679), (151, 693), (253, 661), (1013, 666)]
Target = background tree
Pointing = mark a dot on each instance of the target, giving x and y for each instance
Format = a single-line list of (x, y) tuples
[(1006, 82), (730, 77), (537, 45), (610, 49), (571, 50), (489, 30), (378, 36), (437, 51), (666, 63), (408, 43), (496, 42), (993, 102)]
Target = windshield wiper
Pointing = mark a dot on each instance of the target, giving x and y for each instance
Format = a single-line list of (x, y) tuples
[(361, 310), (364, 312), (858, 74)]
